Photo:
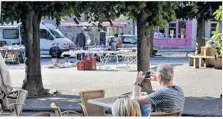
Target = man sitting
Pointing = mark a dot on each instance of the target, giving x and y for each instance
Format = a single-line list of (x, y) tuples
[(167, 99)]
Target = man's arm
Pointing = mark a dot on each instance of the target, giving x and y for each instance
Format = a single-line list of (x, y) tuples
[(138, 97), (136, 93)]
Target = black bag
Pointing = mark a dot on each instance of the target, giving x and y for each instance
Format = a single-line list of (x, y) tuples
[(80, 56)]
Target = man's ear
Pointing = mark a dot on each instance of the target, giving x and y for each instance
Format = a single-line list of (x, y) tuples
[(159, 77)]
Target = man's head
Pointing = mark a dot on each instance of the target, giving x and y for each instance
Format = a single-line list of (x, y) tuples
[(165, 73)]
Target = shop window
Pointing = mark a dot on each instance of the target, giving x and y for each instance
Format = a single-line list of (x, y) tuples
[(160, 33), (182, 29), (156, 33), (172, 30), (213, 28)]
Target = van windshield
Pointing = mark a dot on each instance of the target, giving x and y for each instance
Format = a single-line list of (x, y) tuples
[(56, 34)]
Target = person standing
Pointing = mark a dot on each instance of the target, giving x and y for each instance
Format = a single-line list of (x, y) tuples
[(81, 40), (113, 42), (120, 41)]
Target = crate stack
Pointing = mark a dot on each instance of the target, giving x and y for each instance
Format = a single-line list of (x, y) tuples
[(89, 63)]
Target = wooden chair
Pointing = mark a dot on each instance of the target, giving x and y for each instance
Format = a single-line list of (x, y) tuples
[(17, 107), (42, 115), (58, 112), (89, 109), (161, 114)]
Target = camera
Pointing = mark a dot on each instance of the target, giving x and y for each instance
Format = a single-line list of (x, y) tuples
[(146, 74)]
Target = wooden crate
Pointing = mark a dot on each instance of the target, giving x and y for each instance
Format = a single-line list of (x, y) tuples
[(209, 52), (80, 65), (198, 60), (191, 61)]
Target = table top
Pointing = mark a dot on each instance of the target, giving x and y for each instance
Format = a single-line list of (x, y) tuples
[(132, 48), (97, 52), (105, 102), (120, 52), (200, 56)]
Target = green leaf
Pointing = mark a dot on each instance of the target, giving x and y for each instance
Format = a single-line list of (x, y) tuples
[(63, 19)]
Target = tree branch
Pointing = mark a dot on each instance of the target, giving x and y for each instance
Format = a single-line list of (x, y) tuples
[(144, 17)]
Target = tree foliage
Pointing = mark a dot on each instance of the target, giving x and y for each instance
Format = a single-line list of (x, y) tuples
[(30, 14), (148, 14), (197, 10), (218, 14), (218, 36), (155, 13), (49, 9)]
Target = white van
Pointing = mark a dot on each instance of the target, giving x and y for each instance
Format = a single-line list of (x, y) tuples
[(50, 38)]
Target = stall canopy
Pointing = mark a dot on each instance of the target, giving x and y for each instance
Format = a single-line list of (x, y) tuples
[(93, 24)]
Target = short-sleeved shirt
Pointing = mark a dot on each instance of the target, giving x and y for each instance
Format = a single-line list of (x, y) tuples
[(168, 99)]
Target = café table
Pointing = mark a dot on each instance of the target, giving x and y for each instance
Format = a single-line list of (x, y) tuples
[(103, 102), (108, 101)]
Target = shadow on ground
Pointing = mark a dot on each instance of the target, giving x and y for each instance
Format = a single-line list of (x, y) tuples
[(64, 101), (203, 107), (194, 106)]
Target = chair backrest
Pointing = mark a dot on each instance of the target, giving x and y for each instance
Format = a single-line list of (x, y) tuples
[(42, 115), (84, 110), (175, 113), (92, 110), (56, 109), (21, 99)]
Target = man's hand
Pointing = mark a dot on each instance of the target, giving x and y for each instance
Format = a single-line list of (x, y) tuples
[(140, 77), (153, 76)]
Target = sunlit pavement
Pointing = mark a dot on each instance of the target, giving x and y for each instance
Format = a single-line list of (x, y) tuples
[(202, 83)]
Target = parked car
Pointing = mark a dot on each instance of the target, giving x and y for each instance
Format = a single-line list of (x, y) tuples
[(129, 40)]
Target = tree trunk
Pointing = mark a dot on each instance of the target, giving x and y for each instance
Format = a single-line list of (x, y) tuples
[(201, 32), (33, 79), (143, 51), (151, 51)]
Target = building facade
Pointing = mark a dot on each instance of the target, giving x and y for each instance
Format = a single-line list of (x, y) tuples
[(210, 27), (179, 33), (176, 34)]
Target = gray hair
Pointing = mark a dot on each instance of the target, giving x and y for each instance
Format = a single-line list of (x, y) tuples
[(166, 71)]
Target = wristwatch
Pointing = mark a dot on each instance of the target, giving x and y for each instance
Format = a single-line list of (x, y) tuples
[(138, 84)]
